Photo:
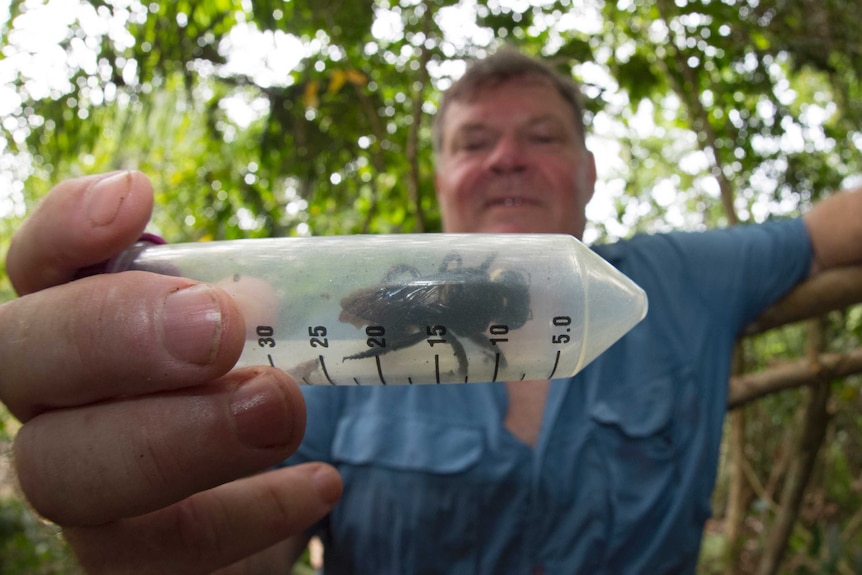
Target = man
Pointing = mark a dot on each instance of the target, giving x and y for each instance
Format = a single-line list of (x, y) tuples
[(138, 456), (609, 472)]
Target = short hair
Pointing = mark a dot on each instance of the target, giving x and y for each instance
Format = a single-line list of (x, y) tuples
[(493, 70)]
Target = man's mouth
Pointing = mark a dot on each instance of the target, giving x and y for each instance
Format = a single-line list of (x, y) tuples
[(510, 202)]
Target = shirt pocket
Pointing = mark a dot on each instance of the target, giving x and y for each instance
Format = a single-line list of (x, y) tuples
[(640, 415), (409, 505), (401, 444), (635, 427)]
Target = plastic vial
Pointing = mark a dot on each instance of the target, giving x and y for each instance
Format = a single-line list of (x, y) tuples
[(412, 309)]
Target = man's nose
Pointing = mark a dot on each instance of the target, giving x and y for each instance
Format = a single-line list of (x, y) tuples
[(508, 155)]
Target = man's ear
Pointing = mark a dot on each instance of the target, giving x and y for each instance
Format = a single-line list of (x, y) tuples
[(590, 175)]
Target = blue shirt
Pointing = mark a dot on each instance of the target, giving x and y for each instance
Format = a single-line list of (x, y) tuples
[(621, 477)]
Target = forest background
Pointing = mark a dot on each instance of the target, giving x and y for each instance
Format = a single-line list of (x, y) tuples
[(312, 117)]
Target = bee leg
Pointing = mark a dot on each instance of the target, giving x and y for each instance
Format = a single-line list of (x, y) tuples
[(451, 257), (487, 263), (400, 269), (394, 344), (461, 355), (488, 347)]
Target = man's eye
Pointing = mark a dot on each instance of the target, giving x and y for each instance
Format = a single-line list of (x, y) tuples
[(544, 137), (475, 144)]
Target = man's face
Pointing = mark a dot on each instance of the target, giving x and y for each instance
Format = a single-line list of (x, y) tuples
[(511, 160)]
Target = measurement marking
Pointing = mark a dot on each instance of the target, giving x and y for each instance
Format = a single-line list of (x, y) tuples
[(269, 357), (323, 367), (437, 367), (356, 381), (379, 370), (410, 380), (496, 367), (556, 362)]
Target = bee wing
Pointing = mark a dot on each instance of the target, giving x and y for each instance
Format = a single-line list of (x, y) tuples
[(358, 307), (405, 303)]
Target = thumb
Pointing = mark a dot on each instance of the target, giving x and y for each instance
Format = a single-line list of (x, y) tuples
[(80, 222)]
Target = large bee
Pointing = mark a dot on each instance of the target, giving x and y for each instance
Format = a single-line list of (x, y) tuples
[(455, 302)]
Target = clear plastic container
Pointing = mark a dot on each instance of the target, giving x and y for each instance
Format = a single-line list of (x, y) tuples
[(413, 309)]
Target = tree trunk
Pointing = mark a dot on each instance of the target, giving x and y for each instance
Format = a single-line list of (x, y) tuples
[(814, 423)]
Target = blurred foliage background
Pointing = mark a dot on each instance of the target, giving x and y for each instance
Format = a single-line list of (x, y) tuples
[(312, 117)]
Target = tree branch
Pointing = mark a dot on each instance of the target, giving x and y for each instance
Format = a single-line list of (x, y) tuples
[(792, 374), (412, 148), (378, 160), (689, 93), (740, 486), (828, 291)]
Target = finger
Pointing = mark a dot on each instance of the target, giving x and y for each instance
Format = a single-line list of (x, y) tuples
[(133, 456), (110, 335), (212, 529), (79, 223)]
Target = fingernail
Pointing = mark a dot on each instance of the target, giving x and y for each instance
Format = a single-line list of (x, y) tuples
[(191, 328), (327, 484), (103, 199), (260, 411)]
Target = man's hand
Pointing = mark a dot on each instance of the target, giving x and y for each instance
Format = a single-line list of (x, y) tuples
[(137, 437)]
